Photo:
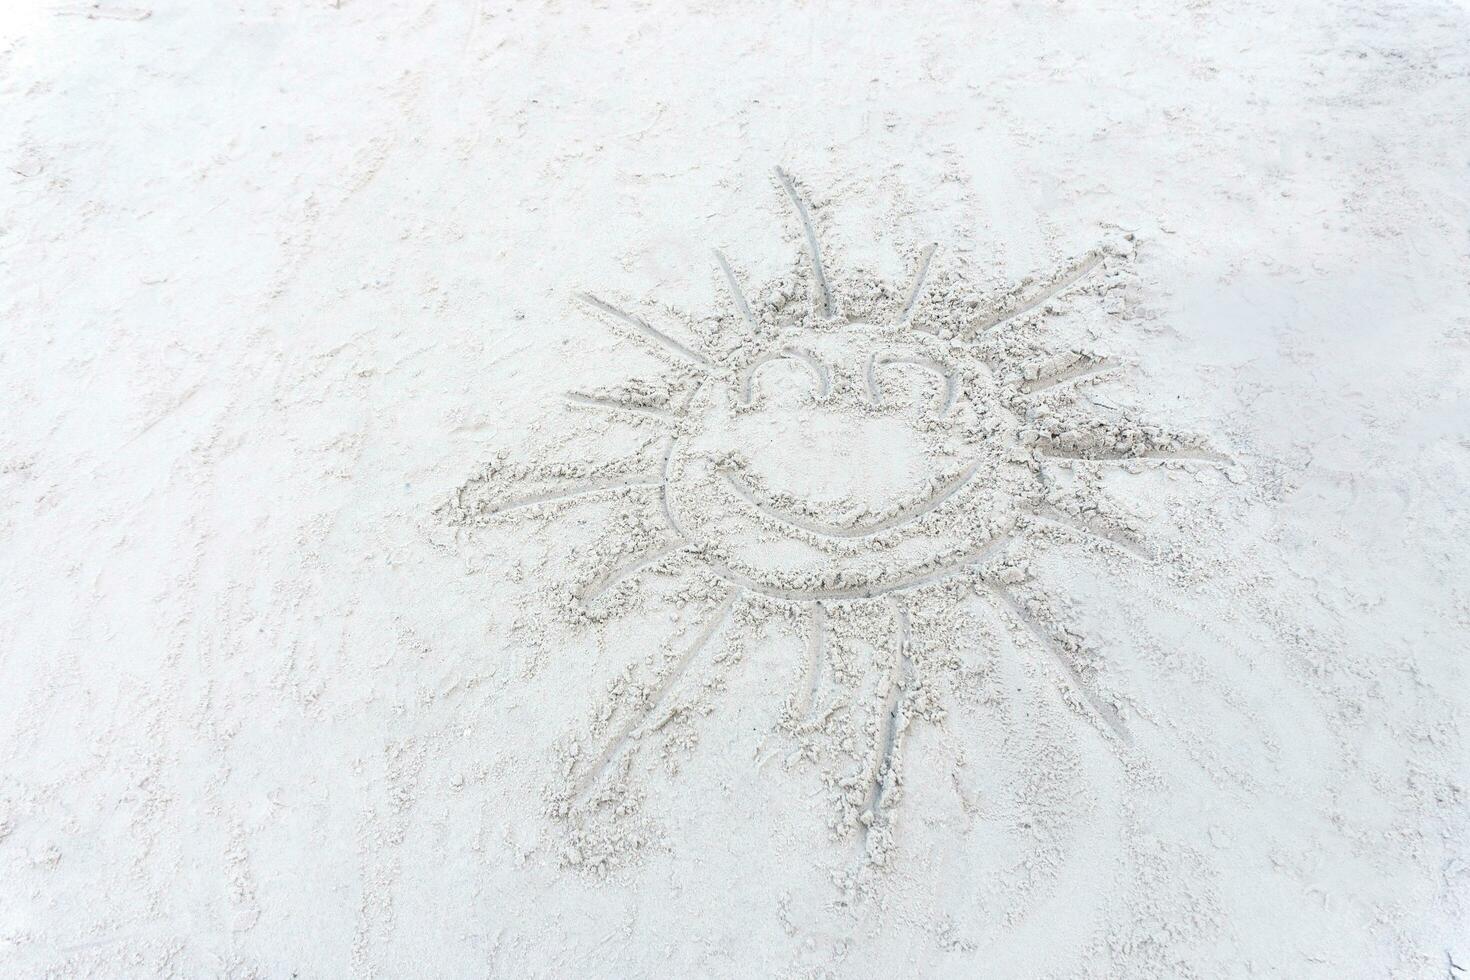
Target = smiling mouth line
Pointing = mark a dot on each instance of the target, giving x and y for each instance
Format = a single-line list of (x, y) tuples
[(907, 515)]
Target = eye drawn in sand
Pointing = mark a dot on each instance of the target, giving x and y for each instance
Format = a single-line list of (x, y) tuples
[(770, 481)]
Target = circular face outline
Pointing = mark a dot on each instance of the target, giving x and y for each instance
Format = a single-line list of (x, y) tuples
[(957, 518)]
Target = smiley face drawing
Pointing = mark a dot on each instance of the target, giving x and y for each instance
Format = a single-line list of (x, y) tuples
[(844, 450)]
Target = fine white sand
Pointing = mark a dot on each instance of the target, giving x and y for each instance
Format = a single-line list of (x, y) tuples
[(734, 490)]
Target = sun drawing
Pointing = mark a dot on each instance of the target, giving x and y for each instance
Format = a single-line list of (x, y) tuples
[(778, 477)]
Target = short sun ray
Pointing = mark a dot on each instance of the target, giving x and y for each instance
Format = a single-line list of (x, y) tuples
[(640, 724), (605, 583), (1081, 526), (1026, 300), (736, 293), (816, 652), (614, 405), (663, 490), (1104, 713), (917, 289), (811, 240), (646, 332), (1081, 370)]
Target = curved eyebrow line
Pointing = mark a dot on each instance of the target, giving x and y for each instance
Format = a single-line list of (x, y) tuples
[(951, 378), (747, 377)]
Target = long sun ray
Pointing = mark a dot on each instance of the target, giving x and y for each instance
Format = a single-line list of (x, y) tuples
[(639, 724), (735, 291), (1103, 712), (558, 496), (890, 728), (601, 586), (1141, 456), (614, 405), (1046, 290), (648, 333), (811, 240), (917, 289)]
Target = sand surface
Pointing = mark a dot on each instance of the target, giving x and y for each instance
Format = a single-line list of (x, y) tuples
[(734, 490)]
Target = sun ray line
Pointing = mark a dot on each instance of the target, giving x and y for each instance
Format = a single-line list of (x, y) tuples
[(607, 582), (559, 496), (736, 292), (904, 517), (811, 240), (1147, 456), (663, 491), (613, 405), (1104, 713), (1078, 372), (816, 650), (1055, 287), (645, 330), (885, 756), (918, 287), (1080, 525), (630, 730)]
